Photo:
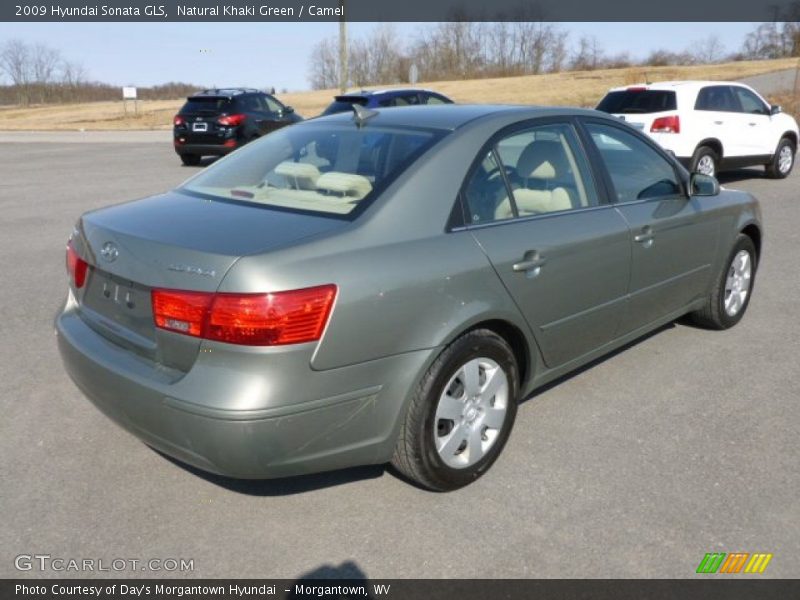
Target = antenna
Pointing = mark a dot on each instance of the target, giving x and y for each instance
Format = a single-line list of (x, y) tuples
[(361, 114)]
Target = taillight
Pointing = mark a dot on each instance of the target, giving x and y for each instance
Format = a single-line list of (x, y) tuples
[(231, 120), (178, 120), (76, 267), (184, 312), (274, 319), (666, 125)]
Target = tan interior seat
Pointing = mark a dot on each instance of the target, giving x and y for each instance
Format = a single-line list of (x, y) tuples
[(300, 176), (544, 161)]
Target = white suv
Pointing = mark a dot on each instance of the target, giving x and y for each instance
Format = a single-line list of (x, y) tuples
[(709, 125)]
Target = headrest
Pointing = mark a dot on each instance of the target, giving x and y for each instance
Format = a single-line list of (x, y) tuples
[(301, 176), (353, 187), (541, 159)]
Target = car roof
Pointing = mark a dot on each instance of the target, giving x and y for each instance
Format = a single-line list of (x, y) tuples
[(453, 116), (225, 92), (675, 85), (386, 92)]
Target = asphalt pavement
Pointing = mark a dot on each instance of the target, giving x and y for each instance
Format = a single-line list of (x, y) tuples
[(683, 443)]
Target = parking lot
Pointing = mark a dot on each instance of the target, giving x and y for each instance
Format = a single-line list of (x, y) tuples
[(683, 443)]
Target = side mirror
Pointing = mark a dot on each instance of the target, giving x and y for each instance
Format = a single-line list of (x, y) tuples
[(775, 109), (287, 110), (703, 185)]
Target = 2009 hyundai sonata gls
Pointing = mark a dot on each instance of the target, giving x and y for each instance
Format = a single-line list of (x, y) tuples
[(386, 286)]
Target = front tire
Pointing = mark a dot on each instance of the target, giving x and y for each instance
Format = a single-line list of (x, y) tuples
[(461, 413), (782, 161), (706, 161), (730, 297)]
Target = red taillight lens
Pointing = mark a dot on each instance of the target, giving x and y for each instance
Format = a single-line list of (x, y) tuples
[(76, 267), (666, 125), (274, 319), (184, 312), (178, 120), (231, 120)]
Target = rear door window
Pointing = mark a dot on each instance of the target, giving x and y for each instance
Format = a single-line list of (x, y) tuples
[(718, 98), (638, 101)]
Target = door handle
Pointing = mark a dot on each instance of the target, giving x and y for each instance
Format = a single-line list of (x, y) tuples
[(646, 237), (752, 124), (718, 122), (531, 264)]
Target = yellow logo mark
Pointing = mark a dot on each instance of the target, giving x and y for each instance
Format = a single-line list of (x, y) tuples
[(758, 563)]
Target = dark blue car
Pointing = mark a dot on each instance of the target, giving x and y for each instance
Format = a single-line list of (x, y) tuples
[(385, 98)]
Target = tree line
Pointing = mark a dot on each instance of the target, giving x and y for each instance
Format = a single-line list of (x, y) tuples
[(39, 74), (469, 50)]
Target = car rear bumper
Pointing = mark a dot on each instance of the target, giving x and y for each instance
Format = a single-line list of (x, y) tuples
[(338, 418), (205, 149)]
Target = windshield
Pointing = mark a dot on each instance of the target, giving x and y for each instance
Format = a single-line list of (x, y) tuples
[(317, 167), (638, 101)]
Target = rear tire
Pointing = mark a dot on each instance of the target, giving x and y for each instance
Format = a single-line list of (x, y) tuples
[(461, 413), (190, 160), (706, 161), (730, 297), (782, 161)]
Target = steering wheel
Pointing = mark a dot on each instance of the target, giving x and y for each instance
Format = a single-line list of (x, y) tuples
[(511, 172)]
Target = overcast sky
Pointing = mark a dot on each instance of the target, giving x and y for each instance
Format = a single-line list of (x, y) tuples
[(277, 54)]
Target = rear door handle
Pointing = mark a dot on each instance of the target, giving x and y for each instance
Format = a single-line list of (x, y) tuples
[(531, 264), (718, 122)]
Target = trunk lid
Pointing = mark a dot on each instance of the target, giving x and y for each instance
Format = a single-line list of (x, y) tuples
[(176, 241)]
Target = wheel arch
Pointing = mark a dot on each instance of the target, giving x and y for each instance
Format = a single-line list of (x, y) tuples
[(791, 136), (513, 335), (712, 143), (752, 231)]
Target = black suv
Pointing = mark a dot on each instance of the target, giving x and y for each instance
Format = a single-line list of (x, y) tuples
[(216, 122)]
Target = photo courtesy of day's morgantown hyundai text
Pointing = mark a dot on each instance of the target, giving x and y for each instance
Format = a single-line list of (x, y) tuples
[(386, 285)]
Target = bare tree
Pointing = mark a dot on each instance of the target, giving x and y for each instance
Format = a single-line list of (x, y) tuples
[(708, 50), (588, 55), (324, 72), (764, 42), (15, 63)]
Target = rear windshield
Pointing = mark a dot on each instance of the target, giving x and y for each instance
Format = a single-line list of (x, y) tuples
[(316, 167), (638, 101), (194, 105), (343, 105)]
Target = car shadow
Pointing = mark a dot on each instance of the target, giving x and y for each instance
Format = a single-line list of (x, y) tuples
[(208, 160), (284, 486), (741, 175)]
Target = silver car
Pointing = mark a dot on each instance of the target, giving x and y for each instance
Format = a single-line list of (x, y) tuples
[(385, 286)]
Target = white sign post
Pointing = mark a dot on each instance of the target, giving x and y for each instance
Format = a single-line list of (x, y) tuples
[(413, 74), (129, 93)]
